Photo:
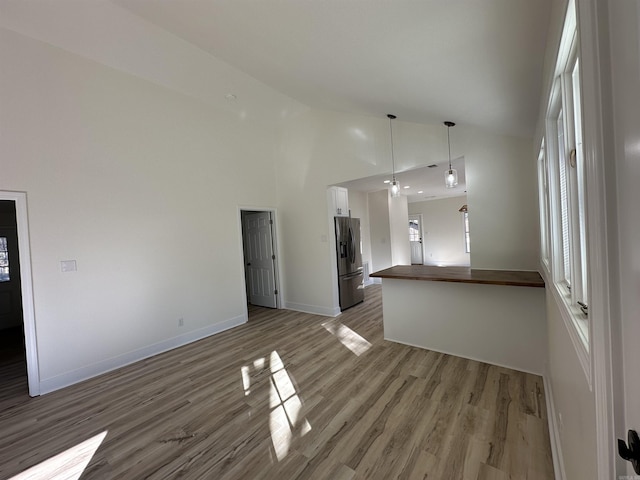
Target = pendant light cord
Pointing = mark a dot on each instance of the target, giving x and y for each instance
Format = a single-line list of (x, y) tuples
[(393, 160), (449, 125), (449, 142)]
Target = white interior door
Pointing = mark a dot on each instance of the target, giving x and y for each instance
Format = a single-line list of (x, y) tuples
[(259, 259), (415, 239)]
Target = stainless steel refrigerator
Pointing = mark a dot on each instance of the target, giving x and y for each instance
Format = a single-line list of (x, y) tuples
[(350, 278)]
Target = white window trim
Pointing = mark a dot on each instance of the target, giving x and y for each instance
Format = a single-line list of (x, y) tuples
[(543, 205)]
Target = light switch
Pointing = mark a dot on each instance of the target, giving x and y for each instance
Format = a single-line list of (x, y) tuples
[(68, 266)]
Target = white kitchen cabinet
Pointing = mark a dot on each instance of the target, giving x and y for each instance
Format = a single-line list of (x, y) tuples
[(339, 201)]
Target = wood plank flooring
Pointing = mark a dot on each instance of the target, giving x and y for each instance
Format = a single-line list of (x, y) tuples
[(288, 396)]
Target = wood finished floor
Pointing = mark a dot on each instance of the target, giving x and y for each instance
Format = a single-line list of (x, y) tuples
[(286, 397)]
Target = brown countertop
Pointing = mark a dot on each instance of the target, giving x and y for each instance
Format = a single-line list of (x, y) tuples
[(519, 278)]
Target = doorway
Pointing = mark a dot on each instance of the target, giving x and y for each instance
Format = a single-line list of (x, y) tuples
[(259, 256), (17, 320), (415, 239), (12, 348)]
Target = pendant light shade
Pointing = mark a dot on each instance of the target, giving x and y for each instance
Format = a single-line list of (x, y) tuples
[(395, 185), (451, 176), (395, 188), (451, 179)]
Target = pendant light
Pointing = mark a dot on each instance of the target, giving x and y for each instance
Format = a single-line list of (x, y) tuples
[(451, 177), (395, 185)]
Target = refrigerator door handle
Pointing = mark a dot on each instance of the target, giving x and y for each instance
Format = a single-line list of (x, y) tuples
[(352, 275), (352, 246)]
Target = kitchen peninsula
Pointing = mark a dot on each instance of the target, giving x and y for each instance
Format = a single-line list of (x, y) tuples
[(495, 316)]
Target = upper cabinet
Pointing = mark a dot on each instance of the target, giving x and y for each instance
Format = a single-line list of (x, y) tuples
[(339, 201)]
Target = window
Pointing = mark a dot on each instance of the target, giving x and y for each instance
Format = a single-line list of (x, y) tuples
[(562, 193), (4, 260), (571, 269), (414, 231), (467, 241), (565, 276)]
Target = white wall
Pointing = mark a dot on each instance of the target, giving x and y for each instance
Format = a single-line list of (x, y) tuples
[(137, 181), (385, 230), (359, 206), (482, 322), (399, 229), (502, 196), (380, 230), (443, 231), (572, 398), (385, 237)]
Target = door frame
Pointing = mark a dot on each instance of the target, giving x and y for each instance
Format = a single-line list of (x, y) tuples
[(419, 215), (26, 289), (276, 251)]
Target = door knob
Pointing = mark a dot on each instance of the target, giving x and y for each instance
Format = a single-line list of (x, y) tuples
[(248, 264)]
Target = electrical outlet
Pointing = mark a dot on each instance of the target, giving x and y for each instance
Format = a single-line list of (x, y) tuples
[(181, 322)]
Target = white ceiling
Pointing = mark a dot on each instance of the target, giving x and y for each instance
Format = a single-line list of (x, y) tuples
[(430, 181), (476, 62)]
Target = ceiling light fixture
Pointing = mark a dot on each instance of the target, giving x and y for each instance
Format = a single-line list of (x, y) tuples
[(451, 177), (395, 186)]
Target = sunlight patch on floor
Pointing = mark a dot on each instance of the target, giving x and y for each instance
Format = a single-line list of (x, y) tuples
[(68, 465), (245, 371), (246, 380), (350, 339), (285, 420)]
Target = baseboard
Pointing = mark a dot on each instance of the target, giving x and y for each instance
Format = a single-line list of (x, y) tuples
[(95, 369), (314, 309), (554, 433)]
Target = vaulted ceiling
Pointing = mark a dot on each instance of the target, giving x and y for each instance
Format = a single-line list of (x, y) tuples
[(477, 62)]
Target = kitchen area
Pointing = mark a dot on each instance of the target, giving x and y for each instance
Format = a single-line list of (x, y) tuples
[(382, 224), (441, 304)]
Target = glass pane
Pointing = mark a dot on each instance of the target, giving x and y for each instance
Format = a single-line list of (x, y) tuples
[(4, 260), (563, 166), (467, 239), (414, 231)]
